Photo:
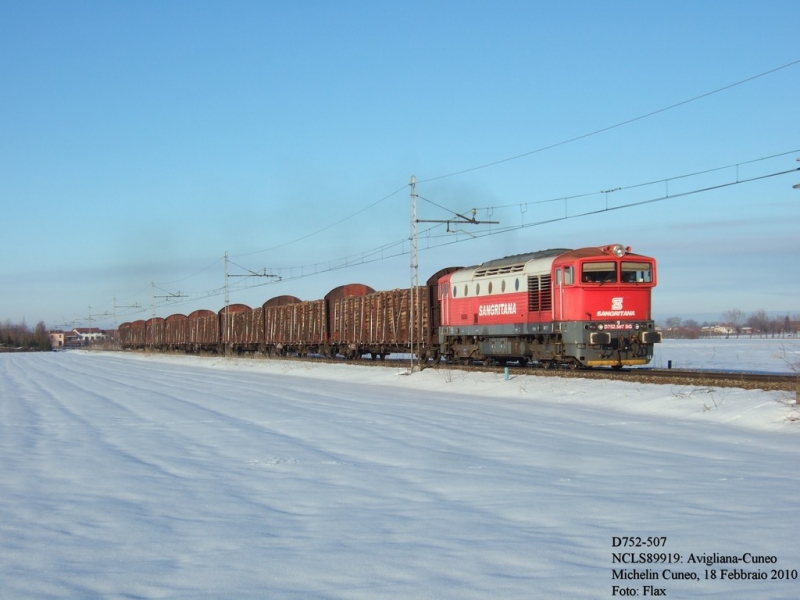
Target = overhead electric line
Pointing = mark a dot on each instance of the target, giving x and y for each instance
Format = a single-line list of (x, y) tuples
[(383, 252), (397, 248), (665, 180), (610, 127), (508, 159)]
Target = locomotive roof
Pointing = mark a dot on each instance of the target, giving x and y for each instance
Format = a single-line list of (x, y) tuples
[(522, 258), (534, 262), (599, 252)]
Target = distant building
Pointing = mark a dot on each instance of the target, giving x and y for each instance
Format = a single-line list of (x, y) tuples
[(64, 339), (57, 339), (718, 330), (90, 335)]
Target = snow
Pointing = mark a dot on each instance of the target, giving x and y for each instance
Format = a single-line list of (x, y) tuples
[(768, 355), (143, 476)]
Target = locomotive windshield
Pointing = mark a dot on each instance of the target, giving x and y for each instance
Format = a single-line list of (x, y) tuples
[(636, 272), (599, 272), (606, 272)]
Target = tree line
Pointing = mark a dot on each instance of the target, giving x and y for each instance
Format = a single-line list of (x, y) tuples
[(20, 335), (734, 322)]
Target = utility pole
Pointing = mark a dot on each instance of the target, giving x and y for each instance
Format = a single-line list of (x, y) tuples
[(225, 327), (168, 296), (227, 303), (91, 317), (414, 252), (116, 306)]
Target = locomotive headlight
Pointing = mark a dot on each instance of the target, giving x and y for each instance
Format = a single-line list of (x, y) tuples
[(636, 326), (618, 250), (600, 327)]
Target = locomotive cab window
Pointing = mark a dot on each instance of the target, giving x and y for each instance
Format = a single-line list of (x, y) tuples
[(565, 278), (636, 272), (599, 272)]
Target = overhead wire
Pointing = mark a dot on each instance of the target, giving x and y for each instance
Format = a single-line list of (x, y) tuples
[(391, 250), (639, 185), (524, 154), (610, 127), (365, 258), (518, 156), (496, 231)]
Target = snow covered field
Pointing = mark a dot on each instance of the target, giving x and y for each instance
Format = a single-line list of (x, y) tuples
[(135, 476), (770, 355)]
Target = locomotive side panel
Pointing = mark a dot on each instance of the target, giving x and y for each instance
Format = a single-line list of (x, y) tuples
[(499, 299)]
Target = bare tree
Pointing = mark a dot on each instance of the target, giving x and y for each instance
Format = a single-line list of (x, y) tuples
[(734, 318), (759, 321), (41, 339), (19, 335)]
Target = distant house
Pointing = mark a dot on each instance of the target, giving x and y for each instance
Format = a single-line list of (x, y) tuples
[(57, 339), (89, 335), (718, 330), (64, 339)]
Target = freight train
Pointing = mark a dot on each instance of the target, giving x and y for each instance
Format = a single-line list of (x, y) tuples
[(588, 307)]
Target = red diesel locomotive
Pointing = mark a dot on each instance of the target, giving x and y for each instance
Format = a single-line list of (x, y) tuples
[(588, 307)]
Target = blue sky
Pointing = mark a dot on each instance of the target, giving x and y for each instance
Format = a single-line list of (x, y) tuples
[(140, 141)]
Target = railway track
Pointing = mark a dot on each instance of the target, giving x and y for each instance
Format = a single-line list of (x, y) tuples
[(759, 381)]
